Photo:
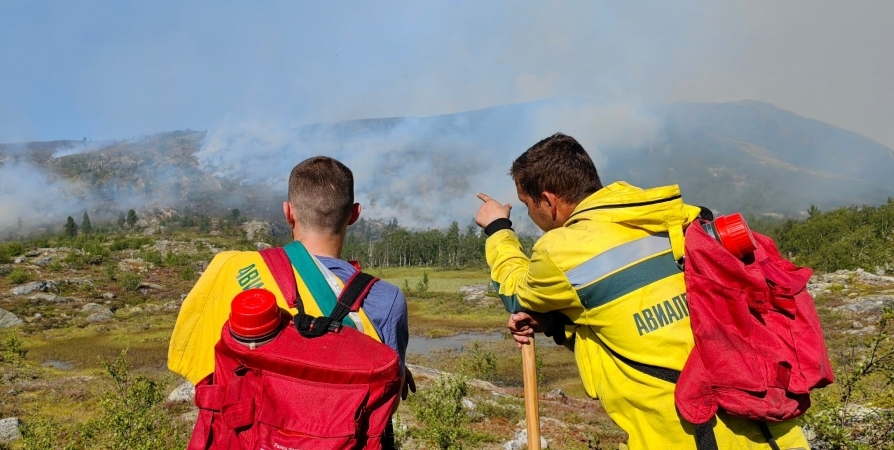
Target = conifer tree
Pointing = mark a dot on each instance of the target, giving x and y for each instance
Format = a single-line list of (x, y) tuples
[(131, 218), (86, 228), (71, 228)]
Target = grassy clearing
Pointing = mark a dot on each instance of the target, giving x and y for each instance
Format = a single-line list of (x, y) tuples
[(435, 314), (439, 280)]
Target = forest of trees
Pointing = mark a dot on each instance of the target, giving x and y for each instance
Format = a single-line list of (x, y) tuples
[(844, 238), (389, 245)]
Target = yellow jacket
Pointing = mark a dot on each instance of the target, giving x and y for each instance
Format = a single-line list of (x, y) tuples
[(207, 307), (611, 270)]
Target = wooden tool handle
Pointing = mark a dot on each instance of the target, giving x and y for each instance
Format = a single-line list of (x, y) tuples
[(529, 375)]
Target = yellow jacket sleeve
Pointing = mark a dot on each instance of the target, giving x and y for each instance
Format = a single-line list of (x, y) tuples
[(536, 284)]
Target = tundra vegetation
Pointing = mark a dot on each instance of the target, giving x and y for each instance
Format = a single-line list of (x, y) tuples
[(97, 303)]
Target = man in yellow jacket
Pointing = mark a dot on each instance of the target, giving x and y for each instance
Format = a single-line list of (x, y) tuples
[(603, 280)]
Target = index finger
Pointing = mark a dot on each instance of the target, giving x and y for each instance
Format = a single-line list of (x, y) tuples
[(484, 197)]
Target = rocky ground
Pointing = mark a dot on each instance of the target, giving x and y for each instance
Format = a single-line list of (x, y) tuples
[(68, 309)]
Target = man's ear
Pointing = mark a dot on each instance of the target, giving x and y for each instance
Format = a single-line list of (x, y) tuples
[(355, 213), (287, 211), (551, 202)]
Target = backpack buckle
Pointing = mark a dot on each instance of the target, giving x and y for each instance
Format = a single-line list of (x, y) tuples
[(335, 326)]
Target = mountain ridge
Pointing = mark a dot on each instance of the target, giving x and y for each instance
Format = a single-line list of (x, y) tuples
[(745, 156)]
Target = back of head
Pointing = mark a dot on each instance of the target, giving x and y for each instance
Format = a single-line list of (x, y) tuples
[(321, 192), (557, 164)]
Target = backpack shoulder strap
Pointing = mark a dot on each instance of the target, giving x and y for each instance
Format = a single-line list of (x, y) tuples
[(356, 289), (311, 276), (281, 268)]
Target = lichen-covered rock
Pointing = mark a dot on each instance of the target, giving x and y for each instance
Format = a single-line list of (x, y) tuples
[(868, 304), (48, 297), (43, 286), (93, 308), (99, 318), (136, 265), (8, 319), (9, 430), (184, 393)]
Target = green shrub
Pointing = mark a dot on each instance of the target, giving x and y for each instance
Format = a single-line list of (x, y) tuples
[(40, 433), (177, 259), (12, 351), (153, 256), (478, 362), (855, 412), (129, 243), (422, 285), (132, 416), (439, 409), (14, 248), (507, 408), (111, 270), (188, 273), (130, 281), (78, 260), (18, 276)]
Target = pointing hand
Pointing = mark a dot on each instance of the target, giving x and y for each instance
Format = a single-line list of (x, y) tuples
[(491, 210)]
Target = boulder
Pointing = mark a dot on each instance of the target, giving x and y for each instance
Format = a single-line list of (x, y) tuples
[(476, 295), (557, 394), (9, 430), (48, 297), (44, 262), (93, 308), (521, 440), (136, 265), (262, 245), (8, 319), (184, 393), (475, 289), (98, 318), (43, 286), (868, 304)]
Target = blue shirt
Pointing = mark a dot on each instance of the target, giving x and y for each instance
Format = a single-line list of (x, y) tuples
[(385, 306)]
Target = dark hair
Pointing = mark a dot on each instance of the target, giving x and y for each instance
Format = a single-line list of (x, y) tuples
[(557, 164), (321, 192)]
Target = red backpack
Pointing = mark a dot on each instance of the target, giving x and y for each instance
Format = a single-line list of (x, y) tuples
[(315, 386), (759, 348)]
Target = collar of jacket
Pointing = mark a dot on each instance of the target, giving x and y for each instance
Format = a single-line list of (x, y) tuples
[(656, 210)]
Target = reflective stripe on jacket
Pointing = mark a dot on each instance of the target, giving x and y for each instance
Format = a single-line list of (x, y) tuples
[(207, 307), (612, 270)]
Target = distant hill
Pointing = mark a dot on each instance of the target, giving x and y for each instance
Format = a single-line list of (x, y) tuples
[(747, 156), (755, 157)]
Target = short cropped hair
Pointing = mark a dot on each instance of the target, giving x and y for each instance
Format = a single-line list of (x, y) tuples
[(321, 192), (557, 164)]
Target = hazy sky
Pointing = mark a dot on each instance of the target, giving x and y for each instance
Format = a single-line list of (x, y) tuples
[(111, 69)]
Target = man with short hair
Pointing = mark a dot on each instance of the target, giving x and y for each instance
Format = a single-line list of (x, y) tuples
[(319, 209), (608, 256)]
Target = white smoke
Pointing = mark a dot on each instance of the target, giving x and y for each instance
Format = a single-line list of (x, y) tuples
[(30, 197), (425, 172)]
